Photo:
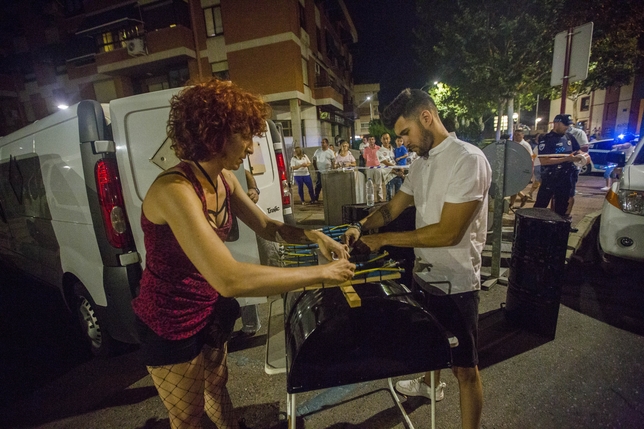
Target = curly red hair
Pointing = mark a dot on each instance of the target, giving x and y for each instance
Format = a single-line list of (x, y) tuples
[(203, 117)]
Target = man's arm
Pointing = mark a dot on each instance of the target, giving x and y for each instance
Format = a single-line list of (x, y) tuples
[(380, 217), (449, 231), (253, 190)]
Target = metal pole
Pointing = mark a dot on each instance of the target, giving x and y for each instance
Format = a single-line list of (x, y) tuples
[(498, 176), (536, 114), (564, 87)]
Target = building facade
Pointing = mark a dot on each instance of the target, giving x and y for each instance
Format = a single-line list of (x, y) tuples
[(293, 52), (607, 113)]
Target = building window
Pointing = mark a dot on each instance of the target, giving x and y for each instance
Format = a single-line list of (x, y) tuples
[(286, 128), (305, 71), (585, 104), (302, 16), (214, 24)]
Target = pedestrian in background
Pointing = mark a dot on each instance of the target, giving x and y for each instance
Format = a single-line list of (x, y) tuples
[(323, 160), (401, 156), (300, 166), (517, 137), (557, 152), (371, 164), (345, 158), (386, 159)]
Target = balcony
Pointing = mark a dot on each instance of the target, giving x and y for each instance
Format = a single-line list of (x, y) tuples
[(155, 50)]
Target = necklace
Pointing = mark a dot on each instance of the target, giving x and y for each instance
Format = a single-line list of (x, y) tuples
[(215, 186)]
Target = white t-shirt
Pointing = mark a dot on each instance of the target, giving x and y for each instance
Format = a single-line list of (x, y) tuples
[(579, 135), (297, 164), (324, 159), (453, 172), (526, 146)]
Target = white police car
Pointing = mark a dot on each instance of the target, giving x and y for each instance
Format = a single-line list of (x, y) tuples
[(621, 228), (598, 151)]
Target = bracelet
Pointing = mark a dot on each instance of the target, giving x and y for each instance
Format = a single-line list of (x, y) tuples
[(356, 225)]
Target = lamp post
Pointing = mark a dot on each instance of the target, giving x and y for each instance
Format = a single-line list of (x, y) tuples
[(536, 122), (370, 107)]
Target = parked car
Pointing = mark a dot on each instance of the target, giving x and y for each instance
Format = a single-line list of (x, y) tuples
[(621, 227), (71, 188)]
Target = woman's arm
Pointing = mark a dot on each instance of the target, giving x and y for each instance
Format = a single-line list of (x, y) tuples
[(174, 202), (273, 230)]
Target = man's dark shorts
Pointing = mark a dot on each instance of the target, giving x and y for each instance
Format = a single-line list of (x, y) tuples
[(459, 314)]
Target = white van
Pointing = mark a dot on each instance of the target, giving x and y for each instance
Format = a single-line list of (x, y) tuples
[(621, 227), (71, 188)]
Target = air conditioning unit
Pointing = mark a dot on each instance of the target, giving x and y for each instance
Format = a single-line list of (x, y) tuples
[(136, 47)]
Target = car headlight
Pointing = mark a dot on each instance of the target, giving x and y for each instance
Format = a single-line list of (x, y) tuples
[(631, 201)]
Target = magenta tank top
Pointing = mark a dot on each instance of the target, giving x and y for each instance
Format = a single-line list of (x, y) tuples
[(175, 300)]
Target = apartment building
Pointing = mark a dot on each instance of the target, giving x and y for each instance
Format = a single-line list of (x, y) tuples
[(293, 52), (609, 112)]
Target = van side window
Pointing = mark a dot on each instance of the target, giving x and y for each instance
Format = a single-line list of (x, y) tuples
[(256, 160), (15, 178)]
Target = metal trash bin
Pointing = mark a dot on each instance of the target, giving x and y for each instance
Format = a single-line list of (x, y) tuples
[(340, 187), (330, 344), (537, 268)]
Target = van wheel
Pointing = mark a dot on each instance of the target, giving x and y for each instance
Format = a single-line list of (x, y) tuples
[(586, 169), (95, 335)]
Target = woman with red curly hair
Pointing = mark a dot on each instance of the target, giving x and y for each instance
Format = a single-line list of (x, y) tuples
[(184, 310)]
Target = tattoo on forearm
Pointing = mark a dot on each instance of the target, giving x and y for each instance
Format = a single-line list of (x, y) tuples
[(386, 215)]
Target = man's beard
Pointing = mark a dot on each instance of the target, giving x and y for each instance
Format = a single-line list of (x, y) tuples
[(426, 141)]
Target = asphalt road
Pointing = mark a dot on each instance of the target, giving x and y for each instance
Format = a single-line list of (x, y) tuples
[(590, 375)]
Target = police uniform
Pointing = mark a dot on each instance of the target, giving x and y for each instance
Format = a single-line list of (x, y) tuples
[(556, 180)]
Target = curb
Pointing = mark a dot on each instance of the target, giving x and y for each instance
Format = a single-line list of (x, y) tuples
[(576, 239)]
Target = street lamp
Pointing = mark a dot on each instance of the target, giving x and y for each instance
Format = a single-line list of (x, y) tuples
[(536, 122)]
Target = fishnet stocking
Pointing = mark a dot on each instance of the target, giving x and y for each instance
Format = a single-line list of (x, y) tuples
[(218, 405), (186, 389), (180, 387)]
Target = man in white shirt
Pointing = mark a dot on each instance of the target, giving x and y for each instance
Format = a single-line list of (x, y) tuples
[(449, 186), (323, 160), (518, 137), (386, 158)]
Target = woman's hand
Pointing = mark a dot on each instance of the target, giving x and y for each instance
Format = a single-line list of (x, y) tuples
[(331, 249), (338, 271)]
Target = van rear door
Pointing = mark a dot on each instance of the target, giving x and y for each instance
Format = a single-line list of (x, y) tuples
[(142, 150)]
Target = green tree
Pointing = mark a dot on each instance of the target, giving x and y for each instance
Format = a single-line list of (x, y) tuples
[(490, 52)]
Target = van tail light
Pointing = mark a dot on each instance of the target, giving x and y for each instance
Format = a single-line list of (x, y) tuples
[(281, 170), (110, 196)]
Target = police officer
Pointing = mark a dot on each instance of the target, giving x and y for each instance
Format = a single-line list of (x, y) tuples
[(557, 152)]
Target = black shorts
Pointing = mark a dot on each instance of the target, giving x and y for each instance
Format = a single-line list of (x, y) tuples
[(459, 314), (159, 351)]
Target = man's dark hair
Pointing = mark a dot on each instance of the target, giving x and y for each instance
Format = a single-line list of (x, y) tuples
[(410, 102), (386, 132)]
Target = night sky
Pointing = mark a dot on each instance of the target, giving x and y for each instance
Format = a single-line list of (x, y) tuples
[(385, 50)]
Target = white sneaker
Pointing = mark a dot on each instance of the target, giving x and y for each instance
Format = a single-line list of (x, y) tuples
[(418, 387), (605, 188)]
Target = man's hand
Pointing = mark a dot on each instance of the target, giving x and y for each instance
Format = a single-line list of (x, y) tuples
[(331, 249), (351, 235), (253, 195)]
